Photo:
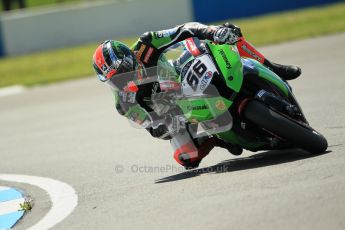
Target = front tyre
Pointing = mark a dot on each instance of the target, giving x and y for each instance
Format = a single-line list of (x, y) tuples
[(285, 128)]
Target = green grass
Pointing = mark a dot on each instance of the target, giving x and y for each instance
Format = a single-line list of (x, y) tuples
[(75, 62), (294, 25), (47, 67)]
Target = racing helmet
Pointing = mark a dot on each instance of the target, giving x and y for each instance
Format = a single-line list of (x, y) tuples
[(114, 63)]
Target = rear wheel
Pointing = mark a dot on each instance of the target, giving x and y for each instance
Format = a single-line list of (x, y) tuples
[(285, 128)]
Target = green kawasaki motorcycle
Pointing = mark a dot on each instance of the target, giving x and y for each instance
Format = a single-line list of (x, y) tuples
[(235, 99)]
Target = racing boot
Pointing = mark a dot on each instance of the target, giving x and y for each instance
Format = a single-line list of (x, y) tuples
[(286, 72)]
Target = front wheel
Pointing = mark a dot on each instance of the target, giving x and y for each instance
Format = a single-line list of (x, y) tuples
[(285, 128)]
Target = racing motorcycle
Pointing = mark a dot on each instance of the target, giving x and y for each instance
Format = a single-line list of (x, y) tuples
[(235, 99)]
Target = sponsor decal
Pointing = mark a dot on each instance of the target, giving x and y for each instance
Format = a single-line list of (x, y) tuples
[(200, 107), (140, 51), (192, 47), (166, 33), (131, 98), (197, 74), (148, 55), (220, 105), (209, 74), (227, 63), (197, 107), (261, 93), (169, 85), (127, 97), (205, 80), (123, 95), (251, 53)]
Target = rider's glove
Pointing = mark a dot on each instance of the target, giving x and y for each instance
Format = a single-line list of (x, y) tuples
[(225, 35), (235, 29)]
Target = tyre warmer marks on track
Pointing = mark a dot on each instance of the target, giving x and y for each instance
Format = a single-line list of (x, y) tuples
[(10, 200)]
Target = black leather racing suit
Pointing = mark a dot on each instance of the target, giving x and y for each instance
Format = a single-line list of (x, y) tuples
[(148, 49)]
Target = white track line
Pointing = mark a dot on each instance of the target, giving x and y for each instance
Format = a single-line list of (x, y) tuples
[(63, 198), (10, 206), (11, 90)]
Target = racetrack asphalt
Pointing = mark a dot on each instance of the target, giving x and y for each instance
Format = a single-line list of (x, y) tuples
[(71, 132)]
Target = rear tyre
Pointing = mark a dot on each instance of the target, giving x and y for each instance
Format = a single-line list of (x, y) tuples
[(285, 128)]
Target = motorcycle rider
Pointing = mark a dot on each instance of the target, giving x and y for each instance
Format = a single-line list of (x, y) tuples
[(112, 59)]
